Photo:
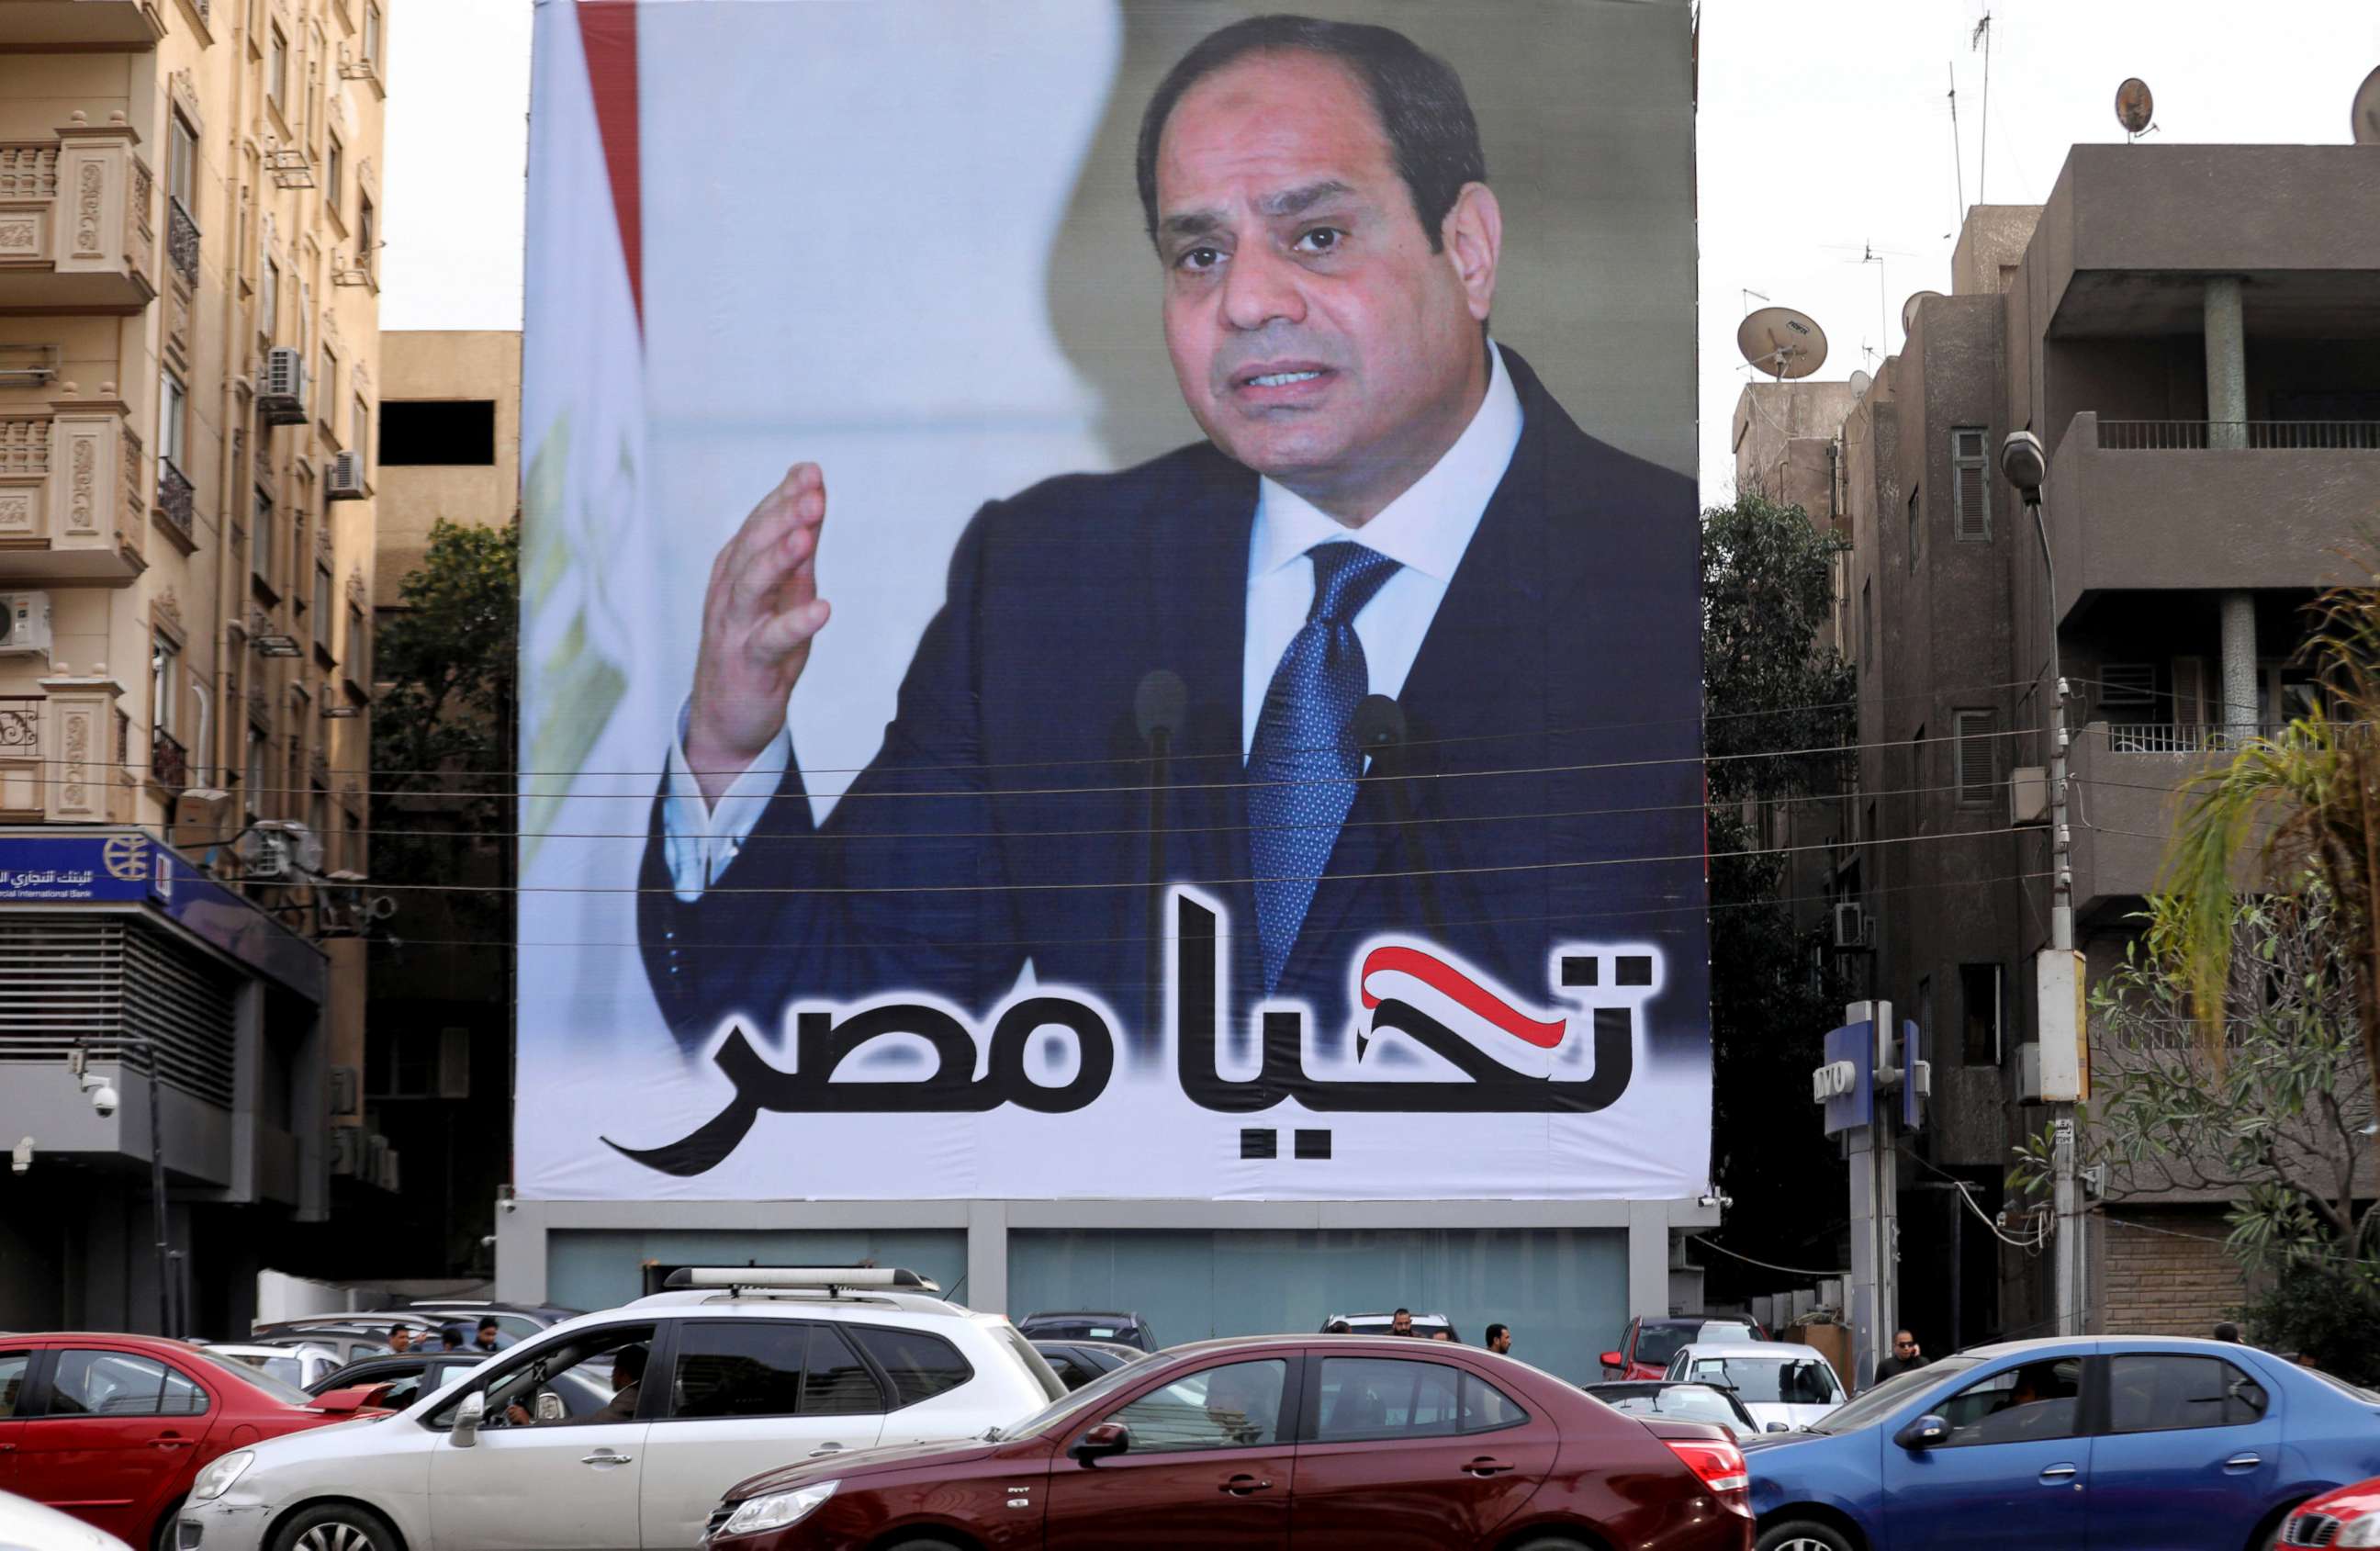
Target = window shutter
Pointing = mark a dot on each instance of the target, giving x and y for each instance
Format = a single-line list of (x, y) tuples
[(1971, 485)]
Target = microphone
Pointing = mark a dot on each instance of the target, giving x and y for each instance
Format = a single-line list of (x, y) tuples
[(1380, 731), (1160, 703)]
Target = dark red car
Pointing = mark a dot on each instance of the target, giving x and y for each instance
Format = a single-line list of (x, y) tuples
[(113, 1428), (1350, 1443), (2350, 1516)]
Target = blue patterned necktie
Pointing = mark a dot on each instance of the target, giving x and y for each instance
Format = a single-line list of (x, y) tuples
[(1302, 762)]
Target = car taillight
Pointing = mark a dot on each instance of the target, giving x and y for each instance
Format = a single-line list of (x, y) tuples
[(1720, 1467)]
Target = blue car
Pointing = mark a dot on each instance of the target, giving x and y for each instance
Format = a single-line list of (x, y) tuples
[(2113, 1443)]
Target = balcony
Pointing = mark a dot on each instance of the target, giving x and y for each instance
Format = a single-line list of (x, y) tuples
[(105, 24), (2170, 505), (2128, 780), (174, 504), (75, 228), (182, 242), (71, 508), (169, 762)]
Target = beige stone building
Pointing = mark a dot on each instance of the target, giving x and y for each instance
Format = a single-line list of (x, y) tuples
[(189, 367)]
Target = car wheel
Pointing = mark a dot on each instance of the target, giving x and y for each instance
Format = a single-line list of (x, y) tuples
[(1802, 1534), (165, 1536), (1549, 1542), (337, 1527)]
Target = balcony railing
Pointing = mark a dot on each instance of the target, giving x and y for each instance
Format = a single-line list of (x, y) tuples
[(182, 242), (2271, 436), (70, 484), (2168, 737), (74, 227), (169, 762), (174, 498)]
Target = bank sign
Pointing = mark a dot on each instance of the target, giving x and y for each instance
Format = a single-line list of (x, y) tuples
[(109, 869)]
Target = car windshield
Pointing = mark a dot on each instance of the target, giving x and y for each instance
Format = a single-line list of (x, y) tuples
[(1770, 1381), (1889, 1395), (2358, 1391), (1079, 1329), (1687, 1402), (1657, 1343), (257, 1377), (1060, 1411)]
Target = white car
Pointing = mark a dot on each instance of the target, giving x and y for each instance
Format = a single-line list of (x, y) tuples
[(26, 1525), (296, 1366), (1777, 1381), (743, 1371)]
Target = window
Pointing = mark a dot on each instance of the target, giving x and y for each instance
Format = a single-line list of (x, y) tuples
[(260, 544), (13, 1366), (268, 301), (919, 1365), (1770, 1381), (276, 70), (1915, 531), (326, 390), (1971, 485), (1867, 622), (165, 677), (119, 1383), (2127, 691), (359, 433), (1925, 1019), (2036, 1402), (323, 607), (254, 776), (2163, 1392), (172, 406), (834, 1381), (358, 648), (1235, 1406), (372, 37), (1975, 757), (739, 1370), (334, 161), (1979, 1014), (454, 432), (366, 233), (318, 812), (1382, 1398), (618, 1352), (182, 166)]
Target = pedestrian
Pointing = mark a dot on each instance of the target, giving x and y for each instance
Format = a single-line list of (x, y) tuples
[(1339, 1328), (1442, 1335), (487, 1341), (1401, 1323), (1499, 1339), (1906, 1356), (400, 1338), (451, 1338), (2225, 1331)]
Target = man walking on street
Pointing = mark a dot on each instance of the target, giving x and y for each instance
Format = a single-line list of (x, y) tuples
[(1905, 1357)]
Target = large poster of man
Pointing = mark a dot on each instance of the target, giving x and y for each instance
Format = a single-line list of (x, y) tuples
[(1110, 605)]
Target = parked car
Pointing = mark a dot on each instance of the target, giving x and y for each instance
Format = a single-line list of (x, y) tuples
[(350, 1339), (295, 1365), (1124, 1329), (1777, 1381), (26, 1525), (1680, 1402), (736, 1371), (2154, 1443), (515, 1322), (396, 1381), (1369, 1443), (1426, 1325), (2349, 1517), (113, 1428), (1078, 1362), (1646, 1345)]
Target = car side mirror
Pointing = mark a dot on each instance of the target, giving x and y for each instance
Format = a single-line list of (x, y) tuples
[(549, 1406), (1612, 1360), (1926, 1432), (1778, 1427), (467, 1417), (1108, 1437)]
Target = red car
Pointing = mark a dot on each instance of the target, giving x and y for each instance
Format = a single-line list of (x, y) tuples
[(1366, 1444), (2350, 1516), (113, 1428), (1647, 1346)]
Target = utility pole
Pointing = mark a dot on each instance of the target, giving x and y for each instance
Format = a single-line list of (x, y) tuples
[(1860, 1069), (2058, 974)]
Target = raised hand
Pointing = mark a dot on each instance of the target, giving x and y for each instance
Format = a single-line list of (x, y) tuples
[(758, 617)]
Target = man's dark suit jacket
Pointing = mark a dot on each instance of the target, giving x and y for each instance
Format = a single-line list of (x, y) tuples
[(1553, 778)]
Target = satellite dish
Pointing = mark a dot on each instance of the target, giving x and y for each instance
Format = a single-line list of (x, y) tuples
[(1909, 309), (2135, 105), (1783, 342), (2367, 110), (1860, 382)]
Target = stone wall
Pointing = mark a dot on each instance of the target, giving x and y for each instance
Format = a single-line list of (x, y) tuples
[(2154, 1280)]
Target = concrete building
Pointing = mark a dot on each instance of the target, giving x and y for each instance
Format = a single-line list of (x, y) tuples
[(2194, 333), (188, 364)]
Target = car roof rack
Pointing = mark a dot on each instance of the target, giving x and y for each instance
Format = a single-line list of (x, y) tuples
[(830, 1280)]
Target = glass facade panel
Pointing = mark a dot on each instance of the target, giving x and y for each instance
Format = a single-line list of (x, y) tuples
[(602, 1269)]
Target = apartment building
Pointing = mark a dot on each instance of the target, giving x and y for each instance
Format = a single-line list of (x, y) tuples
[(189, 360), (2193, 331)]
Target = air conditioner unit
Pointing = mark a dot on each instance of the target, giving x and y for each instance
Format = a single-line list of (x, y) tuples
[(278, 850), (1853, 927), (344, 479), (2029, 794), (24, 625), (281, 397), (346, 1090), (346, 1150)]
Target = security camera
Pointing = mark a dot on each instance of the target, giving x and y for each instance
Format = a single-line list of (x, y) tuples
[(20, 1158), (105, 1098)]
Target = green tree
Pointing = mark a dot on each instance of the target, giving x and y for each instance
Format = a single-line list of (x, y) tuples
[(1770, 684), (443, 723)]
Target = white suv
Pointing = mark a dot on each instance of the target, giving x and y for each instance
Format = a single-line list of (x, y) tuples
[(741, 1371)]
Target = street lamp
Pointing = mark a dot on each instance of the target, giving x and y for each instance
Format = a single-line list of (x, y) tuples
[(105, 1100)]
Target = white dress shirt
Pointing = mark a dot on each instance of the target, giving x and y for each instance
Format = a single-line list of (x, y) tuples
[(1425, 530)]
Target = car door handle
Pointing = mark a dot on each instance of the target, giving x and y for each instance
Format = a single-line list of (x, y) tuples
[(1241, 1486), (1486, 1466), (822, 1451), (170, 1443), (2058, 1472), (605, 1457), (2243, 1462)]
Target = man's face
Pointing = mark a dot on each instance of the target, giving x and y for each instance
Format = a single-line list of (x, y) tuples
[(400, 1340), (1315, 335), (1503, 1341), (1905, 1345), (1400, 1325)]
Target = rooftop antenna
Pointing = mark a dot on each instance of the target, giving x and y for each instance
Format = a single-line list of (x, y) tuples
[(1871, 254), (2366, 113), (1748, 293), (2135, 108), (1958, 158), (1982, 36), (1781, 342)]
